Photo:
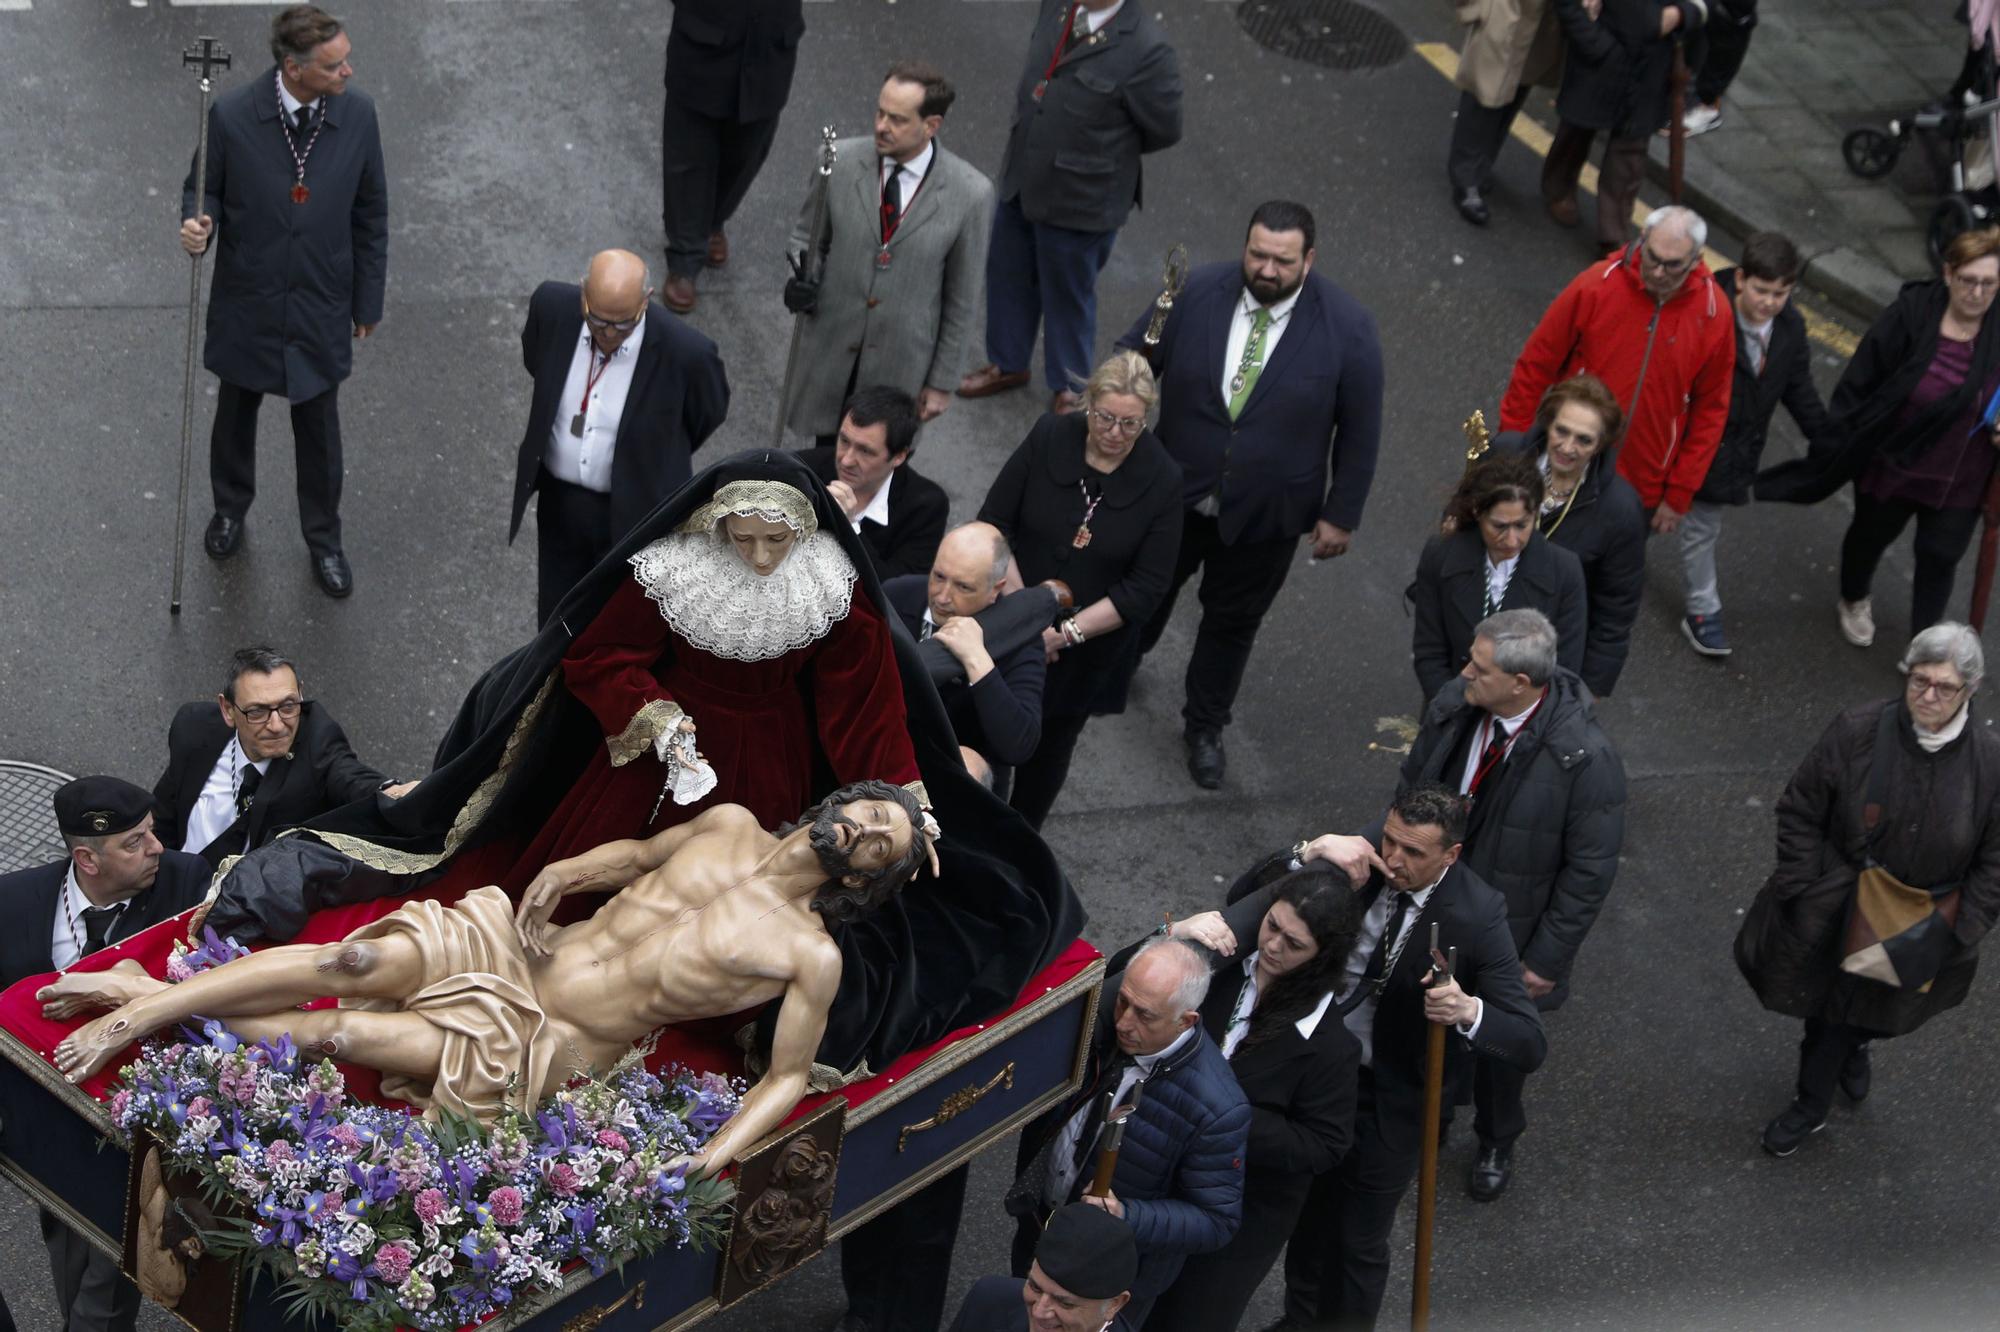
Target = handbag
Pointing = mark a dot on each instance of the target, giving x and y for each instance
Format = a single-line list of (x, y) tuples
[(1897, 934)]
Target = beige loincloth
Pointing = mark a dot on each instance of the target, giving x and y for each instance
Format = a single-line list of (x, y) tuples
[(498, 1044)]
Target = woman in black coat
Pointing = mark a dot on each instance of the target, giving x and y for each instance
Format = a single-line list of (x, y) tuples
[(1093, 499), (1491, 557), (1592, 512), (1910, 430), (1270, 1009), (1937, 825)]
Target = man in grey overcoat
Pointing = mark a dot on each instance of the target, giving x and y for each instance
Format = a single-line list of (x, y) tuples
[(297, 197), (905, 253)]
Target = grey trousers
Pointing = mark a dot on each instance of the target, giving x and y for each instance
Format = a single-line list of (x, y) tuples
[(91, 1293), (1699, 531)]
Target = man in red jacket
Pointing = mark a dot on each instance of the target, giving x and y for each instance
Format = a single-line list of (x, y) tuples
[(1652, 324)]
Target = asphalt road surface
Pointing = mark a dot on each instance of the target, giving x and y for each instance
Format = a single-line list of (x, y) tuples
[(522, 135)]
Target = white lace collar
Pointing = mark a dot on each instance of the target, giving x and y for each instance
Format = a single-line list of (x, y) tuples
[(720, 605)]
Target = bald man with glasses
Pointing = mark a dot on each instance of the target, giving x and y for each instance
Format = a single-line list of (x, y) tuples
[(624, 394)]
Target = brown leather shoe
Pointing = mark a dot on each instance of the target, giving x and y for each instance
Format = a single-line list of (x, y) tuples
[(718, 249), (678, 294), (1564, 213), (988, 380), (1065, 402)]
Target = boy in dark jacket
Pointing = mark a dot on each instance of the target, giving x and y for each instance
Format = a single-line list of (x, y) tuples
[(1773, 365)]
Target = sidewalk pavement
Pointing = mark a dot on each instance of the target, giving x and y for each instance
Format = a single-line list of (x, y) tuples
[(1815, 70)]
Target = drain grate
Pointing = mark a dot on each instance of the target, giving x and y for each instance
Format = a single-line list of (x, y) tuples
[(1337, 34), (28, 833)]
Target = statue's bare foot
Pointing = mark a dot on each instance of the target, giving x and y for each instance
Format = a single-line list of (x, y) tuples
[(74, 995), (85, 1051)]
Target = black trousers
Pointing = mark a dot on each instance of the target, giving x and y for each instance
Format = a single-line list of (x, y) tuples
[(1337, 1265), (1498, 1116), (1040, 780), (1619, 173), (1826, 1047), (896, 1267), (1728, 42), (1238, 585), (572, 533), (1942, 538), (92, 1295), (706, 166), (232, 460), (1477, 136)]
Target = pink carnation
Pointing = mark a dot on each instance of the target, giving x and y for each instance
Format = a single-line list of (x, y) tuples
[(561, 1179), (279, 1151), (345, 1137), (119, 1104), (613, 1139), (392, 1263), (199, 1107), (429, 1205), (506, 1206)]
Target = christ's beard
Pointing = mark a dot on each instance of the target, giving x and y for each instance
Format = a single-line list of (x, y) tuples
[(825, 839)]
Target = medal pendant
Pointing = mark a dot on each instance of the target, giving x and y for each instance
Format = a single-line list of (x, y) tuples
[(1236, 384), (300, 193), (576, 425), (1082, 537), (1040, 88), (883, 258)]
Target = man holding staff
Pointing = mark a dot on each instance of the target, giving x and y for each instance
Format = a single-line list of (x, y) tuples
[(297, 198)]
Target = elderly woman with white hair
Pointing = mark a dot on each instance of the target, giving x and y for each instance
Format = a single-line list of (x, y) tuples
[(1888, 876)]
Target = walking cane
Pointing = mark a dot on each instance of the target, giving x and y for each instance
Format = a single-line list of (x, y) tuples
[(207, 56), (1442, 966), (808, 271), (1989, 535), (1677, 134)]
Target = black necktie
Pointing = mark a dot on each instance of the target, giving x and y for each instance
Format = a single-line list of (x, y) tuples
[(1378, 960), (246, 789), (97, 922), (892, 192), (1490, 758), (303, 121)]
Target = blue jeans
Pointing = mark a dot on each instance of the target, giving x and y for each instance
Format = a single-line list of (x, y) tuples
[(1046, 275)]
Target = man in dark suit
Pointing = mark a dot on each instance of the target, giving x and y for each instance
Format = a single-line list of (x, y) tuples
[(117, 881), (624, 395), (1080, 1281), (295, 174), (1338, 1262), (898, 512), (729, 71), (257, 760), (1100, 88), (1266, 456)]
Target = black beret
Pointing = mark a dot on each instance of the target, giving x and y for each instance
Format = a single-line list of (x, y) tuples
[(100, 806), (1088, 1252)]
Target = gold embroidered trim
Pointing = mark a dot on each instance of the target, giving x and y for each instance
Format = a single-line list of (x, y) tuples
[(648, 724), (772, 500), (918, 790)]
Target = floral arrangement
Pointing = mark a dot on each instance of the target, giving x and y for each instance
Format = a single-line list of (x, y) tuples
[(379, 1219)]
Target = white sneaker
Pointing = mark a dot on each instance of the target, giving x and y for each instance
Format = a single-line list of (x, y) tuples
[(1700, 119), (1857, 621)]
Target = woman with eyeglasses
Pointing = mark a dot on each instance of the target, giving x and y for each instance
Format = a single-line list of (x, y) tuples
[(1913, 429), (1090, 498), (1906, 787), (1491, 556)]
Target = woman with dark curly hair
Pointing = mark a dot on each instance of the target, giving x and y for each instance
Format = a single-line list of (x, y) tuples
[(1491, 556)]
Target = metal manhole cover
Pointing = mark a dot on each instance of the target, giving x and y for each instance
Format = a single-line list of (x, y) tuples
[(1338, 34), (28, 833)]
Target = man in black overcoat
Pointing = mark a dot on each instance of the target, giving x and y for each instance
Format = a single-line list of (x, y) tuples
[(624, 394), (297, 190), (117, 881), (729, 71)]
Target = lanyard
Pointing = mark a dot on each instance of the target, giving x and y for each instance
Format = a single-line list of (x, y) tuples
[(285, 122), (591, 376), (1488, 762), (892, 220), (1062, 45)]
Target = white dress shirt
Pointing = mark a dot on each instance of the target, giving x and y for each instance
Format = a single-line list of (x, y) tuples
[(1756, 341), (1239, 333), (1063, 1168), (1497, 577), (877, 508), (1093, 19), (1361, 1018), (1246, 1005), (586, 462), (66, 941), (1483, 736), (292, 104), (912, 172), (215, 809)]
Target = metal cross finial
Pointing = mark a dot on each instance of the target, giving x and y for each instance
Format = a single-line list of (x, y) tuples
[(206, 55)]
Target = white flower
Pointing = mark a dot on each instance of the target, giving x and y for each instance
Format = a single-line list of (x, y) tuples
[(450, 1216), (437, 1264)]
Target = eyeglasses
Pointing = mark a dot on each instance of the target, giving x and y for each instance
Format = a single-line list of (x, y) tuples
[(257, 713), (1124, 425), (1680, 265), (616, 325), (1964, 283), (1944, 690)]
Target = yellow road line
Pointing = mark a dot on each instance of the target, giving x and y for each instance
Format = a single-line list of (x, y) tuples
[(1834, 336)]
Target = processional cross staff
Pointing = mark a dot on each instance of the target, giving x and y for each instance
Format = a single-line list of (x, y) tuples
[(206, 57)]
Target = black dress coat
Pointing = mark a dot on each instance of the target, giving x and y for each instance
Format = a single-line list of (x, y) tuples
[(1605, 528), (1315, 410), (1754, 399), (679, 396), (1450, 594), (33, 898), (1135, 538), (1001, 716), (1939, 825), (1073, 154), (1616, 67), (918, 512), (733, 59), (320, 773), (291, 280)]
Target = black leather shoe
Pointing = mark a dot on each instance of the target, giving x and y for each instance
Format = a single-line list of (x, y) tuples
[(1472, 207), (1206, 763), (224, 535), (334, 574), (1490, 1173), (1856, 1075)]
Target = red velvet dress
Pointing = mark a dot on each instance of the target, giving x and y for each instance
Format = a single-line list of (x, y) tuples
[(762, 725)]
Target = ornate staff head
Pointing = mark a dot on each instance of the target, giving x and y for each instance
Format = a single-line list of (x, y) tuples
[(1173, 280)]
